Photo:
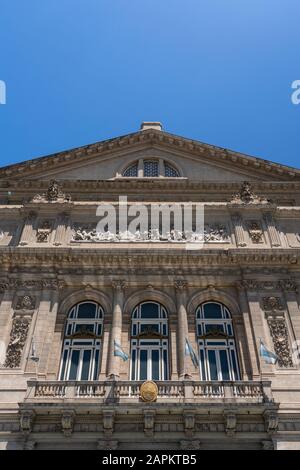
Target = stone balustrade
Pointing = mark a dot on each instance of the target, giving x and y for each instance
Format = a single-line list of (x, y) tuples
[(119, 391)]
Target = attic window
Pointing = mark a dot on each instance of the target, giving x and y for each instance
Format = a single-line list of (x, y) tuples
[(151, 169)]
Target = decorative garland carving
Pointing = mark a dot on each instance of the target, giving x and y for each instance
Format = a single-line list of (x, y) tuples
[(279, 334), (272, 304), (18, 336)]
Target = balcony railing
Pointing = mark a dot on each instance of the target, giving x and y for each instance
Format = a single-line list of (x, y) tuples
[(168, 391)]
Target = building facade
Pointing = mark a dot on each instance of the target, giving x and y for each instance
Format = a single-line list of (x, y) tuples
[(144, 338)]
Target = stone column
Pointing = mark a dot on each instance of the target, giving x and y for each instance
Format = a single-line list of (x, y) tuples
[(27, 233), (239, 230), (182, 330), (113, 362), (272, 230), (248, 346), (61, 226)]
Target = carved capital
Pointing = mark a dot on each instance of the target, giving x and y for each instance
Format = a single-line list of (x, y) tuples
[(180, 285), (119, 284)]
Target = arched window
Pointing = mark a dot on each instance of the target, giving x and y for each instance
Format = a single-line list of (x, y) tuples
[(217, 351), (82, 342), (149, 342), (153, 168)]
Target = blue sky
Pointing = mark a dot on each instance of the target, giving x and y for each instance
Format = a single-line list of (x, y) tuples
[(80, 71)]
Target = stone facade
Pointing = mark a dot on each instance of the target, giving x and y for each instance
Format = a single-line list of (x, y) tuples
[(52, 258)]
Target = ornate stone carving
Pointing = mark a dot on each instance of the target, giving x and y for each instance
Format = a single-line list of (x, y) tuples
[(288, 285), (255, 231), (26, 302), (108, 421), (230, 422), (271, 421), (256, 285), (180, 284), (107, 445), (190, 444), (26, 421), (67, 422), (18, 336), (279, 334), (247, 196), (53, 194), (272, 304), (15, 284), (43, 233), (212, 234)]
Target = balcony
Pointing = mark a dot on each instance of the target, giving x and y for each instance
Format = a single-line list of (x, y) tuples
[(128, 392)]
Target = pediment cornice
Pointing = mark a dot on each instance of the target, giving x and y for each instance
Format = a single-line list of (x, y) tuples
[(210, 153)]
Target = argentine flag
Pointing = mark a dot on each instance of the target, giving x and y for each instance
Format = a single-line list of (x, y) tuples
[(268, 356), (190, 352), (118, 351)]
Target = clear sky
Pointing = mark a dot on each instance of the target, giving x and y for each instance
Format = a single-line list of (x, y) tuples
[(80, 71)]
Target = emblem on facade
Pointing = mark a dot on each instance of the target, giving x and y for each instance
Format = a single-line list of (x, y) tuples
[(43, 233), (149, 391), (27, 302), (53, 194), (246, 195), (272, 304), (255, 231)]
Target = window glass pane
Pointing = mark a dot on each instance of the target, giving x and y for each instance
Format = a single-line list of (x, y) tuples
[(214, 328), (155, 364), (229, 330), (224, 365), (63, 369), (203, 374), (83, 327), (234, 365), (149, 328), (86, 310), (199, 330), (99, 330), (69, 329), (170, 171), (165, 356), (212, 311), (133, 360), (74, 364), (164, 332), (131, 171), (86, 364), (212, 365), (150, 168), (96, 364), (149, 310), (134, 329), (143, 365)]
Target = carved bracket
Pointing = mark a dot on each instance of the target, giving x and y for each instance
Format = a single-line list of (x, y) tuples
[(67, 422), (149, 421), (108, 421)]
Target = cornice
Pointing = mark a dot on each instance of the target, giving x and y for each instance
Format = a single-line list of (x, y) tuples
[(16, 256), (152, 137)]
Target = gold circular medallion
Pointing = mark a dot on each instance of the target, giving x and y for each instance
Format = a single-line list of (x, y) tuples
[(149, 391)]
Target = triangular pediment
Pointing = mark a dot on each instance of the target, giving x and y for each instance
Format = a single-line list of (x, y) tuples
[(106, 160)]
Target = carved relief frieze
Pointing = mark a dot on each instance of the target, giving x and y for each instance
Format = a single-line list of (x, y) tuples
[(16, 284)]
